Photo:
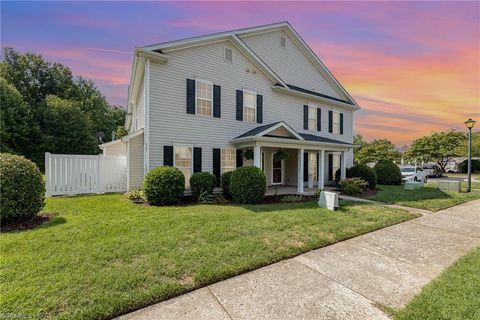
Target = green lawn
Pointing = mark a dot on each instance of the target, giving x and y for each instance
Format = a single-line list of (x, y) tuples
[(103, 256), (428, 198), (453, 295)]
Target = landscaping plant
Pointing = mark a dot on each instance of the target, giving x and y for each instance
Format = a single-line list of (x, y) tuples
[(292, 198), (205, 197), (388, 173), (202, 182), (352, 185), (248, 185), (248, 154), (22, 190), (225, 181), (164, 185), (365, 172), (135, 194)]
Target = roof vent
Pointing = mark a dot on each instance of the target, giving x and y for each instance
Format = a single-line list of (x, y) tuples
[(228, 54), (283, 42)]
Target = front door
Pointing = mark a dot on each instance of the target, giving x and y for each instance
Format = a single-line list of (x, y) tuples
[(277, 171)]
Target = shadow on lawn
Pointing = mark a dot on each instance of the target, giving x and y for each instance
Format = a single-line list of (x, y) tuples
[(394, 194), (307, 205)]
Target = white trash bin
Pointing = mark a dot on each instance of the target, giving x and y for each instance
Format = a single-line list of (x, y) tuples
[(328, 200)]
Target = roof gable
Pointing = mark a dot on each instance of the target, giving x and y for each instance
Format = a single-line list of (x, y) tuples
[(278, 129)]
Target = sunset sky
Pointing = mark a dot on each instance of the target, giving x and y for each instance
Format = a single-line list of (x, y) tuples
[(413, 67)]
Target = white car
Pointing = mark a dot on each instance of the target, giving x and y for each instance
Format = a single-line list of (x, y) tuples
[(413, 173)]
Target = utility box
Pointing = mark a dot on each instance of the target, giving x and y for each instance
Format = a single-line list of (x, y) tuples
[(328, 200), (449, 185)]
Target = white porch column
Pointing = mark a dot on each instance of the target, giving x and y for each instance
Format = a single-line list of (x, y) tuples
[(257, 157), (343, 166), (300, 171), (321, 169)]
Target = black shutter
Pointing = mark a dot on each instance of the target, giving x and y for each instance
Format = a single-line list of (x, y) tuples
[(305, 117), (319, 119), (330, 167), (216, 165), (318, 165), (216, 101), (240, 105), (197, 159), (190, 96), (239, 158), (341, 123), (330, 121), (168, 156), (259, 108), (305, 166)]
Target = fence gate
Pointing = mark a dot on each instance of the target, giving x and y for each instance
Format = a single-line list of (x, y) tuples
[(80, 174)]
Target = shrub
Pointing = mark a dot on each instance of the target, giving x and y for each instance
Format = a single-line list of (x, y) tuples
[(248, 185), (225, 179), (135, 194), (358, 182), (352, 189), (364, 172), (22, 190), (463, 167), (205, 197), (202, 182), (292, 198), (164, 185), (388, 173), (337, 175)]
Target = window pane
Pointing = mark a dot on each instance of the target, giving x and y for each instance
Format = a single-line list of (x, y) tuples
[(312, 165), (336, 122), (249, 107), (312, 118), (336, 164), (183, 161), (228, 160), (204, 98)]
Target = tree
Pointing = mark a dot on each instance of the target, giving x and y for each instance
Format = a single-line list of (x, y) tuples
[(379, 149), (17, 128), (440, 147), (358, 141), (462, 149)]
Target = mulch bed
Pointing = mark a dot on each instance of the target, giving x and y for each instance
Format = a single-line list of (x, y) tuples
[(27, 224)]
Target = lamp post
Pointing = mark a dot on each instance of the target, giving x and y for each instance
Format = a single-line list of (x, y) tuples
[(469, 124)]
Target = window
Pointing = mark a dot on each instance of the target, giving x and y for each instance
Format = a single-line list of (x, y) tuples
[(312, 165), (184, 162), (336, 122), (283, 42), (228, 54), (312, 118), (228, 160), (204, 96), (335, 164), (249, 106)]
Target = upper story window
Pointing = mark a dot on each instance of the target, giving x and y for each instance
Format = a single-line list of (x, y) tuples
[(228, 160), (228, 54), (312, 118), (249, 106), (184, 162), (204, 97), (336, 122)]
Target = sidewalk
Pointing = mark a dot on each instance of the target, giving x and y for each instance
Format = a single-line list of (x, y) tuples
[(342, 281)]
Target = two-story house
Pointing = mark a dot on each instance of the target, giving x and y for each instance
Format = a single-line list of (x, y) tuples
[(199, 103)]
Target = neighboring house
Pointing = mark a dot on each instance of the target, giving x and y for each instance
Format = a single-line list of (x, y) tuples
[(198, 103)]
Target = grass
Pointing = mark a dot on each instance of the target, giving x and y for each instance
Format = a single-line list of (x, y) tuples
[(428, 198), (453, 295), (103, 256)]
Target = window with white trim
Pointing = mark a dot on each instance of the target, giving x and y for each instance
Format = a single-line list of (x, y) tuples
[(184, 162), (336, 122), (312, 165), (204, 97), (228, 160), (228, 54), (249, 106), (312, 118)]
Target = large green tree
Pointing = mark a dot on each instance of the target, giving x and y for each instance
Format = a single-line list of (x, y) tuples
[(439, 147), (376, 150)]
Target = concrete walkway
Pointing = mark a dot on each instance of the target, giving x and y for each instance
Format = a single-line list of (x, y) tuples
[(342, 281)]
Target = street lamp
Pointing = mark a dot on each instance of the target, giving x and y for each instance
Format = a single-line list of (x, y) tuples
[(469, 124)]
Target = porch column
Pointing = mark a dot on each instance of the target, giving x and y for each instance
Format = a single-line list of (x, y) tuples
[(300, 171), (343, 166), (321, 169), (257, 157)]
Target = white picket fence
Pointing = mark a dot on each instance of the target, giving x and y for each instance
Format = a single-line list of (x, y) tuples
[(68, 174)]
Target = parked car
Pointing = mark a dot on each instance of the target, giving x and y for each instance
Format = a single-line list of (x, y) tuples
[(413, 173), (432, 170)]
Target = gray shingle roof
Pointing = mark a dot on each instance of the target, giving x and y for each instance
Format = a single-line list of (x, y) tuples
[(311, 137), (257, 130)]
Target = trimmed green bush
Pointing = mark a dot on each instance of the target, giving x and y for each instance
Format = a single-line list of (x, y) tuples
[(164, 185), (202, 182), (225, 180), (248, 185), (22, 190), (352, 189), (364, 172), (358, 182), (388, 173)]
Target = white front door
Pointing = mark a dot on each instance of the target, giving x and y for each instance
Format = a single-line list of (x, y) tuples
[(277, 171)]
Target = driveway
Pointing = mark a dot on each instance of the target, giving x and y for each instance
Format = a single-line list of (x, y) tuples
[(347, 280)]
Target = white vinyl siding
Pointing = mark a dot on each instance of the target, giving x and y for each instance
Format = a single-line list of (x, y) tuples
[(312, 165), (204, 97), (336, 122), (312, 118), (228, 160), (249, 106), (184, 162), (135, 162)]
